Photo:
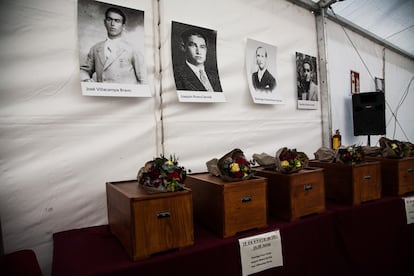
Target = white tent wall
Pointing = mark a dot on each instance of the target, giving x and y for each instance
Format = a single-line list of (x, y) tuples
[(199, 132), (59, 148), (370, 60), (399, 80)]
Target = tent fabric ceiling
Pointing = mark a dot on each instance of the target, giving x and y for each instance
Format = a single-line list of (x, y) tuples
[(390, 20)]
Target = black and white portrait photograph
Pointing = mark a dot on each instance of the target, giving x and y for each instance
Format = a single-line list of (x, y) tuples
[(307, 81), (111, 50), (194, 60), (261, 72)]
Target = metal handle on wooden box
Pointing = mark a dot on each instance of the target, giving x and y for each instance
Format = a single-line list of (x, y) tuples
[(246, 199), (410, 170), (307, 187), (165, 214), (367, 177)]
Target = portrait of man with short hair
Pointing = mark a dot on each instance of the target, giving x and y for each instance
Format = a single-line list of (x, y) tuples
[(194, 58), (261, 65), (262, 79), (307, 78), (111, 43), (307, 81)]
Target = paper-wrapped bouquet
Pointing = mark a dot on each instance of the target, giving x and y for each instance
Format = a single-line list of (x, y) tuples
[(350, 155), (162, 175), (233, 166), (290, 160), (395, 148)]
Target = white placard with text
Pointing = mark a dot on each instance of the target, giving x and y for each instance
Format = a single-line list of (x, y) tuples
[(261, 252), (115, 89), (409, 209), (200, 96)]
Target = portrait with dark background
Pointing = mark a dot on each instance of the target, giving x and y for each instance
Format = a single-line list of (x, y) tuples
[(178, 56), (300, 59)]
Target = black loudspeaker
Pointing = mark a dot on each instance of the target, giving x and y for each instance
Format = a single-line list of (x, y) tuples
[(368, 111)]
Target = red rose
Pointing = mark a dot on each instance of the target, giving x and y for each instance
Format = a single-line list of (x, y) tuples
[(174, 174), (243, 161), (238, 174)]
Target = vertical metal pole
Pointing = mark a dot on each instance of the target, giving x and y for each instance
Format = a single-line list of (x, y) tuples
[(323, 77), (158, 69)]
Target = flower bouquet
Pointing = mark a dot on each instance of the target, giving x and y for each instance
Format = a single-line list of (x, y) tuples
[(350, 155), (233, 166), (162, 175), (290, 160), (394, 148)]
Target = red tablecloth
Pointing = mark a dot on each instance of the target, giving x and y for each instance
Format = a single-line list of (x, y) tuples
[(368, 239)]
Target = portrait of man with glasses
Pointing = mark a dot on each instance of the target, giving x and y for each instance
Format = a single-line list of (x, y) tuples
[(114, 59)]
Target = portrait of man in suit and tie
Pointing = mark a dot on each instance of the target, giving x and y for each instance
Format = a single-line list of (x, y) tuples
[(194, 59), (261, 65), (114, 59), (262, 79)]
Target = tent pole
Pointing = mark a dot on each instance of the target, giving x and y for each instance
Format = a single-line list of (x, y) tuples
[(323, 78)]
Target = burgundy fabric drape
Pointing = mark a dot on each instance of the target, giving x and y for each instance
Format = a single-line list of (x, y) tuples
[(368, 239)]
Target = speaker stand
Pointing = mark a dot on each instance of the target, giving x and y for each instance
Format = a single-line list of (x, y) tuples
[(369, 141)]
